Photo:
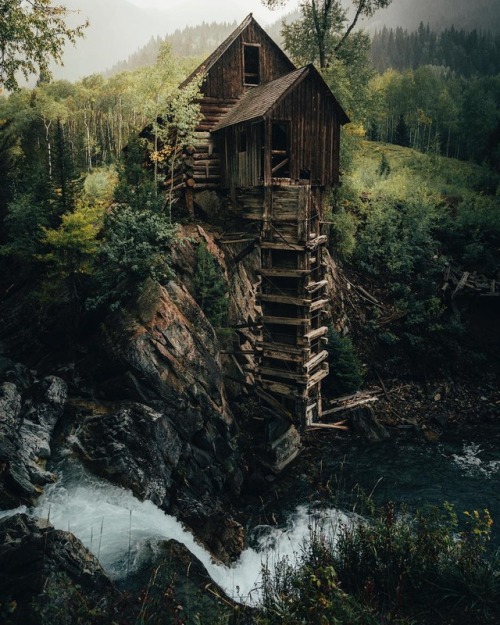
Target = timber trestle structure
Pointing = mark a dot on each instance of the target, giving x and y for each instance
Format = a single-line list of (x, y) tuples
[(269, 141), (290, 357)]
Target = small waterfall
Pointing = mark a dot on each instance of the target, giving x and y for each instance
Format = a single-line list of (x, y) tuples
[(116, 527)]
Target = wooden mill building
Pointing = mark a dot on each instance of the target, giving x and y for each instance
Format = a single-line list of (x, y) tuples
[(270, 139)]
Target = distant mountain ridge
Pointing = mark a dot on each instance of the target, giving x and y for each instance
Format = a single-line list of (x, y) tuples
[(118, 28), (439, 14)]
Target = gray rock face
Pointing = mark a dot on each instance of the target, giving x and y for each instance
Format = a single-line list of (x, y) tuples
[(29, 412), (181, 446), (365, 423), (40, 567), (134, 446)]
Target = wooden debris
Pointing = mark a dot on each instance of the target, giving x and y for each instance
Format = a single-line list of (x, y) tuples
[(339, 425), (347, 402)]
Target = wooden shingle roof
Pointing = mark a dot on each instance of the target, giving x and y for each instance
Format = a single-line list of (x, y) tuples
[(259, 101)]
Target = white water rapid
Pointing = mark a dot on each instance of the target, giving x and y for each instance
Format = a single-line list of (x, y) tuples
[(116, 527)]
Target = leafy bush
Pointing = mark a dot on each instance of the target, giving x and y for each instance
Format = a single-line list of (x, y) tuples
[(210, 286), (24, 222), (135, 246), (390, 567), (345, 367)]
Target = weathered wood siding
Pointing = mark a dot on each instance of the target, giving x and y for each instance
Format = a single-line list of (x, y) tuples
[(242, 168), (225, 79), (313, 142), (314, 132)]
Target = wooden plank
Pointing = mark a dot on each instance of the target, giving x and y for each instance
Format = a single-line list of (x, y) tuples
[(353, 404), (321, 303), (285, 321), (316, 242), (328, 426), (272, 401), (317, 377), (282, 245), (285, 273), (316, 360), (283, 347), (284, 299), (312, 287), (296, 378), (277, 354), (282, 389), (315, 334)]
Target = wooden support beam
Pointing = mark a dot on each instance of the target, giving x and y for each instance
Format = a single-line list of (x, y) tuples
[(282, 389), (315, 334), (316, 360), (328, 426), (272, 401), (317, 305), (278, 354), (312, 287), (315, 243), (285, 321), (285, 273), (284, 374), (317, 377), (284, 348), (282, 245), (284, 299), (245, 251)]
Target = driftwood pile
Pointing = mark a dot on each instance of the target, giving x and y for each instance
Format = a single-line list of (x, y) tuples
[(457, 282)]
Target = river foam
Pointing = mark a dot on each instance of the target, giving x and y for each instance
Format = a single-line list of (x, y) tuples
[(471, 462), (117, 528)]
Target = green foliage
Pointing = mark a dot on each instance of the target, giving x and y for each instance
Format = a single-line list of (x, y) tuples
[(31, 35), (210, 287), (343, 233), (135, 246), (433, 110), (24, 224), (100, 185), (407, 226), (73, 246), (345, 367), (384, 169), (390, 567), (325, 27)]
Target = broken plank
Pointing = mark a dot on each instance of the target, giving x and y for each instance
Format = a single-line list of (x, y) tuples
[(353, 404)]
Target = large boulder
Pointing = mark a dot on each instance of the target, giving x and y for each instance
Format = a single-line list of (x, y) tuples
[(29, 412), (174, 440), (48, 576), (364, 422)]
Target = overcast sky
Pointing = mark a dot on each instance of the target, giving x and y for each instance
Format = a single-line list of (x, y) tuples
[(119, 27), (196, 11)]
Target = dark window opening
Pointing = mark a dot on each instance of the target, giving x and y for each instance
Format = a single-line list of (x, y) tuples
[(242, 141), (251, 64), (280, 157)]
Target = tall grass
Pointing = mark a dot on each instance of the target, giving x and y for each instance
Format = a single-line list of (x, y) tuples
[(393, 567)]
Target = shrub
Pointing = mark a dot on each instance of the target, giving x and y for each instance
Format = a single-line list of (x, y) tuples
[(135, 247), (210, 287), (345, 367), (390, 567)]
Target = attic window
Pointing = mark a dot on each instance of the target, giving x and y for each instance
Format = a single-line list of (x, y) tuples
[(251, 64)]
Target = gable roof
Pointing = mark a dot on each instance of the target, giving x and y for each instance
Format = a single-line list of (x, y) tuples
[(258, 101), (210, 61)]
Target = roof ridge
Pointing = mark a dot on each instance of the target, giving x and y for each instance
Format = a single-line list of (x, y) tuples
[(212, 58)]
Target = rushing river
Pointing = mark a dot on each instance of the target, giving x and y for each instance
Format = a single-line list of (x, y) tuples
[(463, 468), (116, 526)]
